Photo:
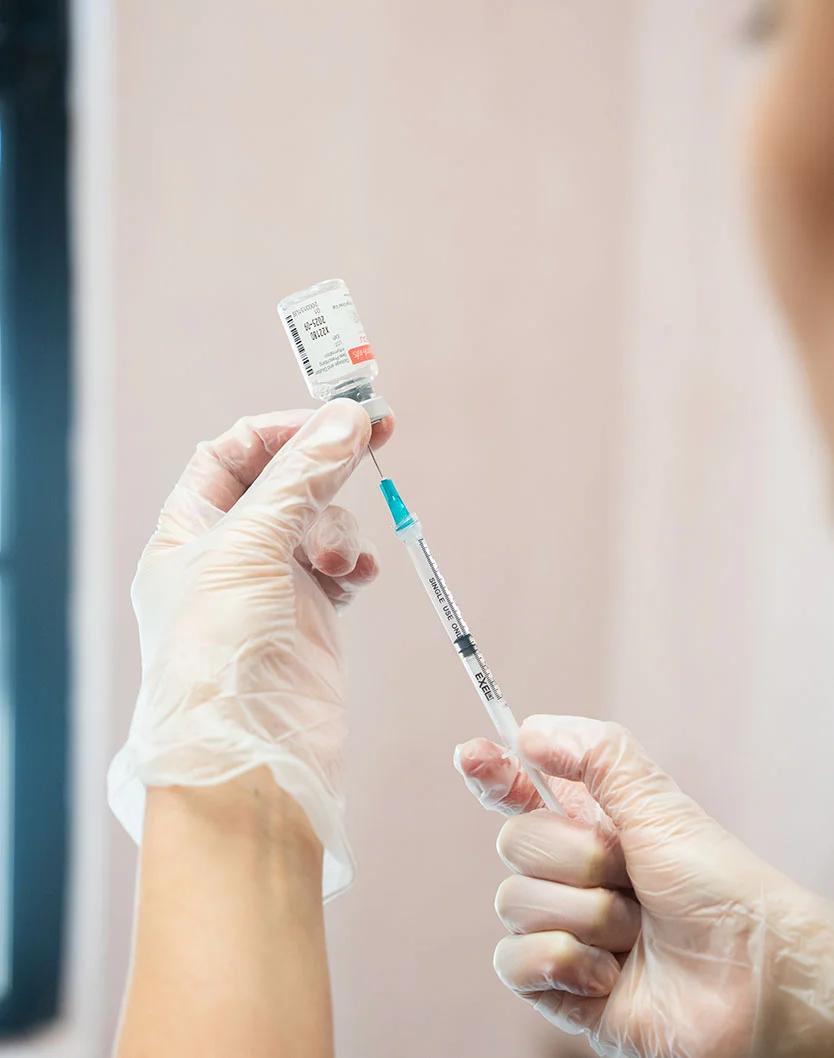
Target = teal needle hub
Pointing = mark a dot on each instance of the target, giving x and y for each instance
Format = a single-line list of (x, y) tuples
[(399, 512)]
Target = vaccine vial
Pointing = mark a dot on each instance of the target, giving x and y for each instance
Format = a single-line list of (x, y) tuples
[(331, 346)]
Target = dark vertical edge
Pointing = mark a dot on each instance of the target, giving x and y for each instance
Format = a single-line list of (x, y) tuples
[(36, 329)]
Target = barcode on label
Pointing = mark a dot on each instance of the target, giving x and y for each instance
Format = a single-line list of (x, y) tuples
[(299, 346)]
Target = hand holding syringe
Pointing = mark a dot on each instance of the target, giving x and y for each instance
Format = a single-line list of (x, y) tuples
[(408, 529)]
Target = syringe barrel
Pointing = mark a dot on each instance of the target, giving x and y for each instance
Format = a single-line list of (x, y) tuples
[(499, 712), (458, 632), (473, 660), (432, 581)]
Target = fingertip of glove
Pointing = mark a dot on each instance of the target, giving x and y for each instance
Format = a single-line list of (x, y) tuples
[(467, 756), (342, 421)]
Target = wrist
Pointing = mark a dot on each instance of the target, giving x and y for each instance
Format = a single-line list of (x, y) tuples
[(250, 814)]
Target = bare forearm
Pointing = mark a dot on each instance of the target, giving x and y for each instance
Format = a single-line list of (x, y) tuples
[(229, 952)]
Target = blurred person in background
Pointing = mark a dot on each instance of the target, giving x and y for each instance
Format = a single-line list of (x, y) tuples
[(636, 919)]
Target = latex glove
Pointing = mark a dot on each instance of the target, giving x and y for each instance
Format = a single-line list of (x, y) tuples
[(652, 930), (236, 598)]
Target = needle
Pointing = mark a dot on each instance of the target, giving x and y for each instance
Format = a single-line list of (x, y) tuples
[(373, 457)]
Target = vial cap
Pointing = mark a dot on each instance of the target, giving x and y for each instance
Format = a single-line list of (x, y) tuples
[(377, 408)]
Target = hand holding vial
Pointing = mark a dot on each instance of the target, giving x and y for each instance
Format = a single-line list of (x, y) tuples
[(236, 598)]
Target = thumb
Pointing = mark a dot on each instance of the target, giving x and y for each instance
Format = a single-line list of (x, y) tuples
[(629, 787), (305, 475)]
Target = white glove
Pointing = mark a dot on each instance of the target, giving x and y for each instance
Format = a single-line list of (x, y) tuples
[(651, 929), (236, 598)]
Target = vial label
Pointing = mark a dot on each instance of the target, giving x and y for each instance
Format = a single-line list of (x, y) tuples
[(327, 335)]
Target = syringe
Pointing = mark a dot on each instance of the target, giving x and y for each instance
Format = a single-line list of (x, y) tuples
[(408, 529)]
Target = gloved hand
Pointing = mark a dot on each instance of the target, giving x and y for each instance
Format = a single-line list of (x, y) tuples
[(236, 598), (650, 929)]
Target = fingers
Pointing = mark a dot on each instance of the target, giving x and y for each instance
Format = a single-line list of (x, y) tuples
[(602, 918), (331, 544), (302, 479), (614, 767), (501, 784), (544, 845), (541, 962), (339, 557), (498, 781), (220, 471), (382, 432), (341, 590)]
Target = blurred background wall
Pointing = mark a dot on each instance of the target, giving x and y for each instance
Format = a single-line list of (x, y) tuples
[(537, 206)]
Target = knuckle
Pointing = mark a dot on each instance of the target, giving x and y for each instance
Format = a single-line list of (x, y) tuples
[(616, 735), (593, 869), (613, 730), (560, 957), (603, 910), (608, 746), (339, 524)]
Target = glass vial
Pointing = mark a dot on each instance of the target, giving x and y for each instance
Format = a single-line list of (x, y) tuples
[(331, 346)]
